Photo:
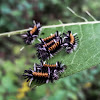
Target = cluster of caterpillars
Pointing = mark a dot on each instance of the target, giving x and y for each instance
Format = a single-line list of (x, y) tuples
[(44, 73), (46, 49), (51, 45)]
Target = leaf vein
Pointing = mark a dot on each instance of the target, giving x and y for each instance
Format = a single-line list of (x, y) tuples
[(79, 45)]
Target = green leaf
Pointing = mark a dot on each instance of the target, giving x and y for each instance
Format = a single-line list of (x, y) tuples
[(88, 52)]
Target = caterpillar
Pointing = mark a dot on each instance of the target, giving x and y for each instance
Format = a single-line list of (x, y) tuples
[(48, 39), (40, 45), (32, 34), (49, 43), (58, 66), (70, 41), (54, 48), (39, 76), (47, 52)]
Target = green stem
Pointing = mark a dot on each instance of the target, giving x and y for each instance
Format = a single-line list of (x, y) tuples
[(51, 26), (14, 32), (77, 14)]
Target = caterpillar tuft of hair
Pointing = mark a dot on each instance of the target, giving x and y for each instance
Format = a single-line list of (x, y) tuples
[(32, 34), (70, 41)]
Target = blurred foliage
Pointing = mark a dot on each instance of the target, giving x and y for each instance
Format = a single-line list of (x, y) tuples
[(19, 14), (21, 91), (80, 86)]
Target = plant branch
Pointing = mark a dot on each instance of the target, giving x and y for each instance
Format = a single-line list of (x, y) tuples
[(77, 14), (51, 26), (14, 32), (91, 16)]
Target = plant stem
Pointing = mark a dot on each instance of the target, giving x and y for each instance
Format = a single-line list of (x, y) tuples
[(51, 26), (14, 32)]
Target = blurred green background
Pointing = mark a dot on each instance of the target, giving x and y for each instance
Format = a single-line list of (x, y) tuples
[(19, 14)]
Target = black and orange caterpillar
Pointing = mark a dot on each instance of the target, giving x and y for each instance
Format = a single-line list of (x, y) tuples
[(48, 39), (32, 34), (44, 73), (30, 75), (49, 44), (58, 66), (70, 41), (40, 76), (54, 48)]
